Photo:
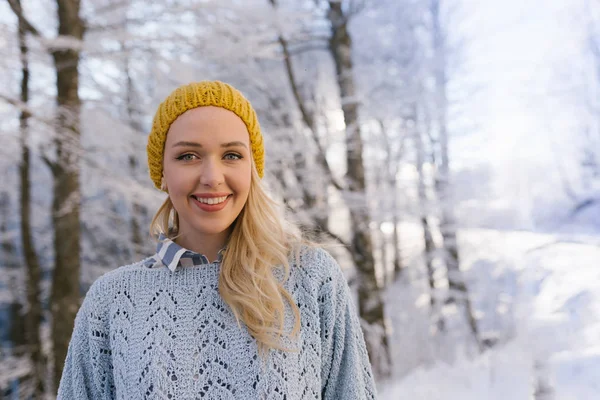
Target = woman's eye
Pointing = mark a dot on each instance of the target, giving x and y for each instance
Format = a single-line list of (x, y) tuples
[(232, 156), (186, 157)]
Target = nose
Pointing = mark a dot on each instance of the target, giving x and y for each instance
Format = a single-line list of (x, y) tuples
[(211, 174)]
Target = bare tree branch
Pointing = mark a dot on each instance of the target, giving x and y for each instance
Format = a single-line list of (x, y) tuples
[(307, 117), (337, 238), (306, 49), (17, 103), (18, 10), (307, 37), (582, 205), (52, 166), (118, 25), (23, 107)]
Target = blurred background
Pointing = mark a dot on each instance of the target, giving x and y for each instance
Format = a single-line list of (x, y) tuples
[(446, 151)]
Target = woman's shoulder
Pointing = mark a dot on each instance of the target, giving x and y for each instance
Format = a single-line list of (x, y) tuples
[(107, 283), (316, 263)]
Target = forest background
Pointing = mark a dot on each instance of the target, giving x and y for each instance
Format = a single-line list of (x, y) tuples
[(446, 151)]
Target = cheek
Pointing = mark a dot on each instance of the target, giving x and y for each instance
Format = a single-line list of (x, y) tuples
[(243, 181), (177, 182)]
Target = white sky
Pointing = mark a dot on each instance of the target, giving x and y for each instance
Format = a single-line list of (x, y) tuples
[(515, 46), (516, 49)]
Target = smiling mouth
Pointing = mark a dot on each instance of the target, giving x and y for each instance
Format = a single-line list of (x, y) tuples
[(211, 200)]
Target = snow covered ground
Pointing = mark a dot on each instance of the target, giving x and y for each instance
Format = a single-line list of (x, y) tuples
[(540, 294)]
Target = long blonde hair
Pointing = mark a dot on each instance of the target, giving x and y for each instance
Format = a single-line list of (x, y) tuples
[(261, 240)]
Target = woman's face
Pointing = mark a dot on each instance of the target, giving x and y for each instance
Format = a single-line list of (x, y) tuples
[(207, 170)]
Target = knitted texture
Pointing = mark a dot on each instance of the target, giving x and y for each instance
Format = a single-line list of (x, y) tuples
[(153, 333), (200, 94)]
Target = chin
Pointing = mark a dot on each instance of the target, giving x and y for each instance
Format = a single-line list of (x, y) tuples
[(212, 230)]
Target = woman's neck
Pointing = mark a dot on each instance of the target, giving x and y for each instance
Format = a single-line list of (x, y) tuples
[(207, 245)]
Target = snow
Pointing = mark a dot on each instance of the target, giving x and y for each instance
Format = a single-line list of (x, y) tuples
[(540, 294), (503, 374)]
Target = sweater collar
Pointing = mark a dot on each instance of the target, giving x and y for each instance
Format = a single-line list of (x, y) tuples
[(173, 255)]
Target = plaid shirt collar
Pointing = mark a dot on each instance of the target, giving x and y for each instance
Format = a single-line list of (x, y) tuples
[(172, 255)]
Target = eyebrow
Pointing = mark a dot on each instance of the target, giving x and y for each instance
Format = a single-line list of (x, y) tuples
[(187, 144), (234, 144), (195, 144)]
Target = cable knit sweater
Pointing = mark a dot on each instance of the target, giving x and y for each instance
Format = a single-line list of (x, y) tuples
[(159, 329)]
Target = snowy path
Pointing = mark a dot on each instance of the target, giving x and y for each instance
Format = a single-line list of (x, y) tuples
[(547, 290)]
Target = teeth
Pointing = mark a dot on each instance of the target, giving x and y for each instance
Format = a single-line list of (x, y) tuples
[(211, 200)]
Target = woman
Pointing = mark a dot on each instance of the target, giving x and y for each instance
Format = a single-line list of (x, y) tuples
[(233, 305)]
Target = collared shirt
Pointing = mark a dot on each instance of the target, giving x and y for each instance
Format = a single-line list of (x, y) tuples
[(172, 255)]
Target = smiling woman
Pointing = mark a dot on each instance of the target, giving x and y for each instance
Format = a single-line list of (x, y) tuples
[(234, 304), (207, 173)]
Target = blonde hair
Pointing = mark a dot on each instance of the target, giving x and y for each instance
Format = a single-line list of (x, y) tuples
[(260, 241)]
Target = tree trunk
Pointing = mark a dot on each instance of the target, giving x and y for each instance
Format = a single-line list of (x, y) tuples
[(458, 292), (33, 317), (314, 201), (383, 254), (424, 204), (9, 262), (380, 238), (397, 248), (542, 387), (392, 161), (65, 294), (137, 208), (371, 305), (137, 213)]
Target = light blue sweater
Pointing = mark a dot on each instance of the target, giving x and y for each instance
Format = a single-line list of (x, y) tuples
[(159, 329)]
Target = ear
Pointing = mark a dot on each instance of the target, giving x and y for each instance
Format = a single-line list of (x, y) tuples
[(163, 185)]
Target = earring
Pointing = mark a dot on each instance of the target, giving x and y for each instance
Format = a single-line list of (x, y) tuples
[(163, 184)]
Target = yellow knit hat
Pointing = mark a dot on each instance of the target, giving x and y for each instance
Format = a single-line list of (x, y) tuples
[(199, 94)]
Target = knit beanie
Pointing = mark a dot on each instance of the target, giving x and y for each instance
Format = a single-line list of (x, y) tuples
[(200, 94)]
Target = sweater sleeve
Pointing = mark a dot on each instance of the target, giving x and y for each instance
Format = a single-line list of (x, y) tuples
[(346, 371), (88, 367)]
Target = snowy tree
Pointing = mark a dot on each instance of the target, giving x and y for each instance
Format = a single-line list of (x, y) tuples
[(458, 293), (33, 317)]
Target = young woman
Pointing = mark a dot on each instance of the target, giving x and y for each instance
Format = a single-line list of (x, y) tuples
[(233, 305)]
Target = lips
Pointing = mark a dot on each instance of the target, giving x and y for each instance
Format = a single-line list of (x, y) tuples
[(211, 200), (211, 203)]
